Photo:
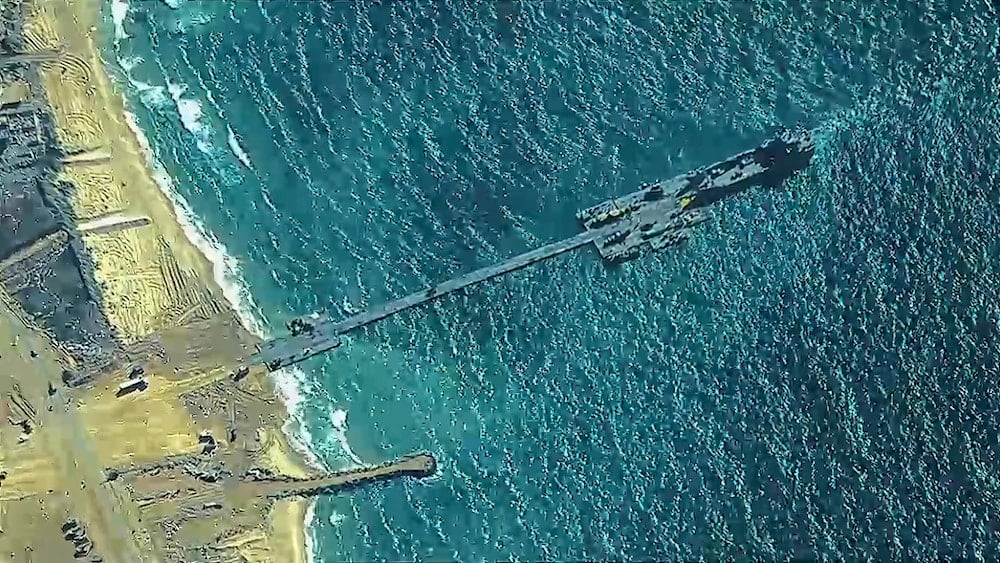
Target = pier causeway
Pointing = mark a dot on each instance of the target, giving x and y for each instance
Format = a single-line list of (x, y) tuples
[(655, 217)]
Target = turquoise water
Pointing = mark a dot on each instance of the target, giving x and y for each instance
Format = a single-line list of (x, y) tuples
[(813, 375)]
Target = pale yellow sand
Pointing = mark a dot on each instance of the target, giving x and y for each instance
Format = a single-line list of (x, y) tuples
[(152, 278), (149, 277)]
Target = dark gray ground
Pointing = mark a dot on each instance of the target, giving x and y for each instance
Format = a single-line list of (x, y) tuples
[(42, 263)]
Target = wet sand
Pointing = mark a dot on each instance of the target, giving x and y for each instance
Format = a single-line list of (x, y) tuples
[(159, 295)]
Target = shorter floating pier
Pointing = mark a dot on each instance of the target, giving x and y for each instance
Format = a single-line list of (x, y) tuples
[(415, 465)]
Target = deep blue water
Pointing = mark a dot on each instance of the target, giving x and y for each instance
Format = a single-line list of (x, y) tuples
[(813, 375)]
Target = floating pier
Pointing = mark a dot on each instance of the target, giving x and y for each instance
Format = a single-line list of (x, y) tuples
[(654, 217), (416, 465)]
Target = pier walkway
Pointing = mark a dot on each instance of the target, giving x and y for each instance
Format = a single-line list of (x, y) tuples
[(324, 335), (419, 298), (416, 465), (657, 216)]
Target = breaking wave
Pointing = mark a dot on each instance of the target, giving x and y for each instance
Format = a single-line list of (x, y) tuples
[(119, 11), (151, 95), (190, 112), (338, 419), (238, 151)]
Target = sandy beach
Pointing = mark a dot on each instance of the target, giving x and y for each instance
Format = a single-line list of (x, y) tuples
[(158, 293)]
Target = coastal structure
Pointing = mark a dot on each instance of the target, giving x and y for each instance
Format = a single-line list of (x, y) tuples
[(415, 465), (116, 341), (203, 486), (100, 291), (657, 216)]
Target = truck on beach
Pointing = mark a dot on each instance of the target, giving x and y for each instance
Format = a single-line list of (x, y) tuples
[(132, 385)]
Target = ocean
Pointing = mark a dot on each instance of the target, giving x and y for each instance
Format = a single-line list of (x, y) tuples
[(812, 375)]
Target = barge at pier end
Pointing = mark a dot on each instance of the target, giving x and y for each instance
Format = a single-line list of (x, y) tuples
[(655, 217)]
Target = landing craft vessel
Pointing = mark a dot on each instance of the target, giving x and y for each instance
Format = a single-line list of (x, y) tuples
[(662, 214)]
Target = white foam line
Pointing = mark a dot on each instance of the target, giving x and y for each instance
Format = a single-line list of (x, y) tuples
[(190, 112), (238, 150), (225, 270), (338, 419), (119, 11), (310, 539)]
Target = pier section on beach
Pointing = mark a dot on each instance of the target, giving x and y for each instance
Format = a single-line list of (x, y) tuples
[(183, 493), (417, 465)]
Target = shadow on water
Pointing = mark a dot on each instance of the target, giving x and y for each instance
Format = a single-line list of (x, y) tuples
[(43, 262)]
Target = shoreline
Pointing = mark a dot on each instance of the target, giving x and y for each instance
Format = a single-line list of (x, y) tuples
[(225, 272), (194, 249), (295, 515), (225, 275)]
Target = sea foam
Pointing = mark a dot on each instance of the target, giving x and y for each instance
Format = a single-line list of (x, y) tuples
[(226, 272), (234, 145), (119, 11), (338, 419), (151, 95), (310, 517), (337, 518), (199, 124), (190, 112)]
